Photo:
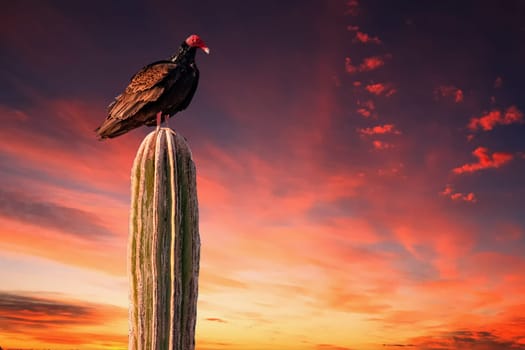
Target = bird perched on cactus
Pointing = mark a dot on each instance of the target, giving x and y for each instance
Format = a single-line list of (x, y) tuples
[(162, 88)]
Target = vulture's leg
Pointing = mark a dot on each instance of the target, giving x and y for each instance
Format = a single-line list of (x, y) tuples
[(159, 120)]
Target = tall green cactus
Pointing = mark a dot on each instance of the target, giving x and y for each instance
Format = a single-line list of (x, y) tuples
[(164, 245)]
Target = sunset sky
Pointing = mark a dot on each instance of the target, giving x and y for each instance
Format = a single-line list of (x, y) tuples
[(360, 171)]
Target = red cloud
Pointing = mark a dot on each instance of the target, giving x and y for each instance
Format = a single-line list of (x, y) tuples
[(364, 112), (488, 121), (390, 92), (371, 63), (349, 67), (381, 145), (366, 108), (376, 89), (365, 38), (484, 161), (368, 64), (456, 196), (458, 96), (380, 88), (445, 91), (380, 129)]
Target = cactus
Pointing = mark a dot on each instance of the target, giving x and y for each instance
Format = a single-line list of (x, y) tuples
[(164, 245)]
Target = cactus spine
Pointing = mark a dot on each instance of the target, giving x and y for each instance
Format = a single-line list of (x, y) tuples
[(164, 245)]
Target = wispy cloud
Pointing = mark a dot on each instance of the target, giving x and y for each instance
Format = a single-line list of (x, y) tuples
[(467, 339), (398, 345), (485, 161), (21, 207), (330, 347), (458, 196), (59, 322)]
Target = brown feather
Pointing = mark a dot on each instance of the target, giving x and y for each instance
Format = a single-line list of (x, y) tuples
[(148, 77), (128, 104)]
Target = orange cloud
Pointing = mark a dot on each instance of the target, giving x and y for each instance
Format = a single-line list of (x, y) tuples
[(55, 152), (365, 38), (52, 321), (490, 120), (485, 161), (330, 347), (482, 338), (20, 207), (456, 196)]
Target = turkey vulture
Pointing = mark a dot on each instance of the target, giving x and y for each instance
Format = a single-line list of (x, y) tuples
[(160, 88)]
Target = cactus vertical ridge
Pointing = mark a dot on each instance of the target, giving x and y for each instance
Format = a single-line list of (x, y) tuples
[(164, 245)]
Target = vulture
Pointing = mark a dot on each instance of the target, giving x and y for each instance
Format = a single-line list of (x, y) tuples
[(161, 88)]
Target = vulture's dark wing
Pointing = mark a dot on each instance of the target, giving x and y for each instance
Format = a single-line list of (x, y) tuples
[(145, 86)]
